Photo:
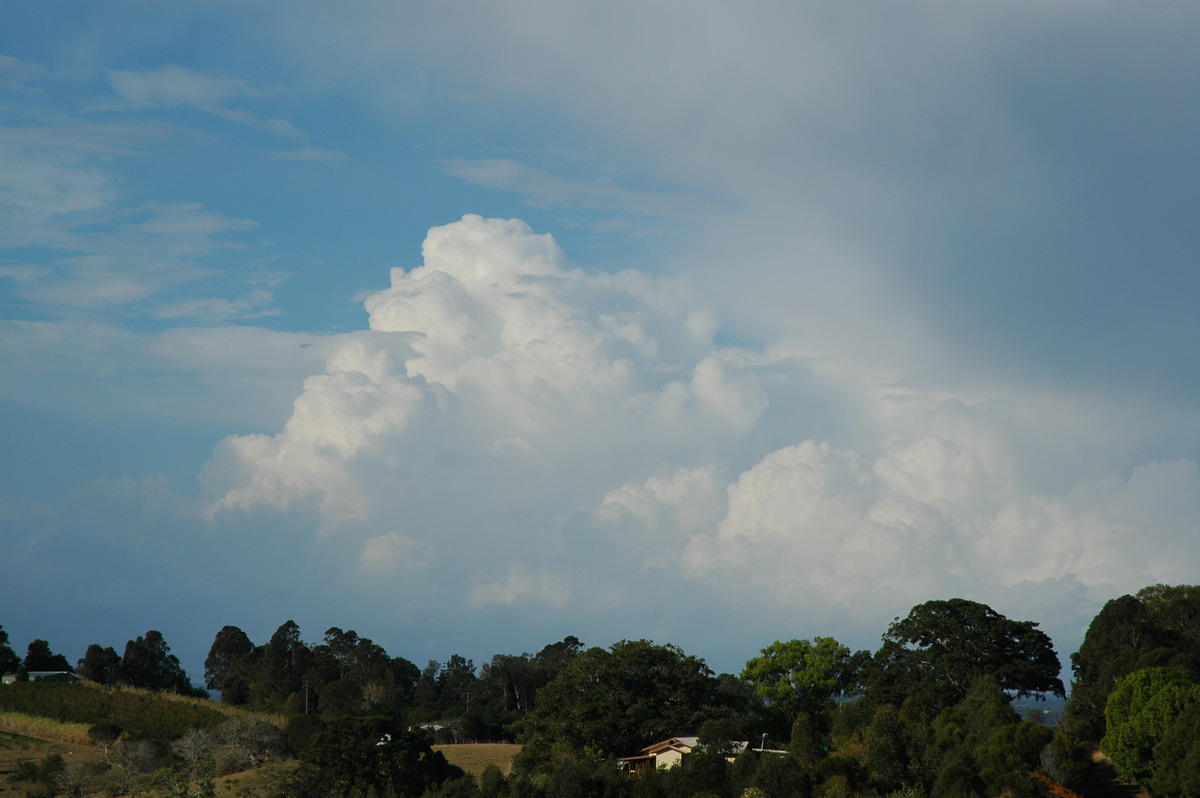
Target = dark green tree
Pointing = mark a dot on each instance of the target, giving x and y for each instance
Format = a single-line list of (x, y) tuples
[(887, 750), (149, 663), (561, 772), (1176, 611), (506, 688), (615, 701), (9, 661), (509, 682), (341, 698), (807, 743), (427, 696), (1157, 627), (1008, 754), (100, 664), (230, 665), (345, 655), (355, 755), (456, 682), (39, 657), (706, 773), (1117, 639), (554, 657), (778, 776), (1177, 757), (936, 653), (948, 767), (281, 667), (492, 783), (1066, 760)]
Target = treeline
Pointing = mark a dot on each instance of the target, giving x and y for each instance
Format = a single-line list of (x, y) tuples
[(929, 713), (147, 663), (347, 675)]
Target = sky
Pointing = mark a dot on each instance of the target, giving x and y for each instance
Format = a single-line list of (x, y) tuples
[(473, 325)]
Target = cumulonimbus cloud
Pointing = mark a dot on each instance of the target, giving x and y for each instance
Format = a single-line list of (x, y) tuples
[(536, 426), (505, 350)]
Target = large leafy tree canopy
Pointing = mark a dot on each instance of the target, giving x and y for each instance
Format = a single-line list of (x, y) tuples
[(283, 662), (229, 664), (363, 756), (941, 647), (39, 657), (615, 701), (1157, 627), (100, 664), (149, 663), (802, 676), (1140, 712)]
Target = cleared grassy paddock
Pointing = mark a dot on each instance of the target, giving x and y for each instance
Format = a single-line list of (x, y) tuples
[(45, 728), (474, 757)]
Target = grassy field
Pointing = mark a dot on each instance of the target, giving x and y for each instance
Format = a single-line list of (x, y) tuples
[(474, 757), (16, 749)]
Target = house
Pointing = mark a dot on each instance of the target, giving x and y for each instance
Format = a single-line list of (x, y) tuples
[(41, 676), (669, 753)]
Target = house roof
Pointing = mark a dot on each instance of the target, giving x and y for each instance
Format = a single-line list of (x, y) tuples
[(682, 744), (53, 676)]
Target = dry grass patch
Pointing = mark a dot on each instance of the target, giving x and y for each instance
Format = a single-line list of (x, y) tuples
[(475, 757), (16, 749), (45, 728)]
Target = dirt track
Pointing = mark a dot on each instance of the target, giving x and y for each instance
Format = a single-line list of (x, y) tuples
[(1105, 784)]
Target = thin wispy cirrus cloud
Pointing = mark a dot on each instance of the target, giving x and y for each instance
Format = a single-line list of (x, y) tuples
[(705, 324)]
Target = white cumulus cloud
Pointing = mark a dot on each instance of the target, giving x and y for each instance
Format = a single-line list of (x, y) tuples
[(496, 354)]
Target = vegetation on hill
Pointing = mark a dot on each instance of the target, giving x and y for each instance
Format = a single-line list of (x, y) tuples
[(930, 713), (139, 714)]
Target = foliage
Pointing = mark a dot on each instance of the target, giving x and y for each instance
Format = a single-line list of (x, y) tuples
[(281, 666), (1008, 752), (777, 776), (149, 663), (941, 647), (359, 754), (930, 714), (802, 676), (229, 665), (1140, 712), (1157, 627), (141, 715), (887, 750), (1065, 760), (618, 700), (560, 772), (99, 664), (1177, 757), (39, 657), (492, 783), (9, 661)]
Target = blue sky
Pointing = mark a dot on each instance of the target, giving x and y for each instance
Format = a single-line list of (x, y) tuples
[(472, 325)]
